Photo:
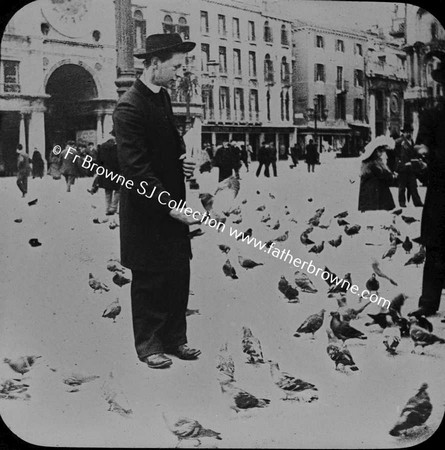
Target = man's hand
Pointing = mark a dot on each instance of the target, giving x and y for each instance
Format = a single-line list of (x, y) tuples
[(188, 220), (188, 165)]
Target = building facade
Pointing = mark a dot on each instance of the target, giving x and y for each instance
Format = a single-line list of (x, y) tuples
[(329, 86)]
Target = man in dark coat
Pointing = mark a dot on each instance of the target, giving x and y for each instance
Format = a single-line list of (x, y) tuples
[(225, 159), (272, 154), (404, 153), (155, 243), (107, 158), (294, 153), (432, 136), (70, 167), (311, 155), (263, 160)]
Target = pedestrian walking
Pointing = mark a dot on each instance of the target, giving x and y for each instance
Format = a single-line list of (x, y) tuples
[(235, 150), (155, 242), (38, 166), (107, 158), (431, 135), (225, 160), (263, 160), (69, 167), (54, 163), (406, 179), (375, 177), (294, 152), (23, 169), (312, 156), (272, 153)]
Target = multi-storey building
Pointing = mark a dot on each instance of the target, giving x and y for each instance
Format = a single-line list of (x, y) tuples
[(424, 39), (246, 88), (329, 86), (386, 80)]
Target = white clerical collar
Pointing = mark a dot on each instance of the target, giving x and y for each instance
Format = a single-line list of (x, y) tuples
[(153, 87)]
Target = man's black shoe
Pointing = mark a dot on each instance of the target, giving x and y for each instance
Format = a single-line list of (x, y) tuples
[(422, 312), (184, 352), (158, 361)]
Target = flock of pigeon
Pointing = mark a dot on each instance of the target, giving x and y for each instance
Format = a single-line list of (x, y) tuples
[(396, 327)]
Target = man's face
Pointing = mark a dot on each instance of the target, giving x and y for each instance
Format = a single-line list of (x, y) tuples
[(169, 70)]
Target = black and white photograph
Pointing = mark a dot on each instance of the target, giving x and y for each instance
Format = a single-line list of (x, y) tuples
[(223, 224)]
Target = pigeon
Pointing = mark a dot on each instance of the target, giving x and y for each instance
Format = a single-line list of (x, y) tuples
[(112, 310), (248, 263), (195, 233), (315, 221), (112, 225), (229, 271), (396, 304), (237, 221), (240, 399), (331, 277), (373, 284), (347, 314), (397, 212), (342, 287), (22, 364), (395, 240), (252, 347), (272, 196), (205, 167), (192, 312), (236, 211), (221, 202), (421, 337), (247, 233), (33, 202), (339, 354), (120, 280), (391, 342), (231, 184), (312, 324), (282, 238), (305, 240), (276, 226), (112, 392), (415, 413), (96, 220), (224, 248), (225, 363), (283, 284), (378, 272), (390, 252), (258, 192), (293, 388), (310, 199), (407, 245), (418, 258), (34, 242), (13, 390), (19, 220), (384, 320), (97, 285), (115, 266), (184, 428), (317, 248), (294, 220), (423, 322), (351, 181), (261, 208), (291, 294), (265, 219), (342, 330), (350, 231), (342, 222), (341, 215), (409, 220), (304, 283), (77, 379), (335, 242), (325, 227)]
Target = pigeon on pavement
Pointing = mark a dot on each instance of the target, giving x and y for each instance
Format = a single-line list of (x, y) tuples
[(304, 282), (229, 271), (336, 242), (312, 324), (418, 258), (407, 245), (343, 330), (120, 280), (373, 284), (248, 263), (112, 310), (240, 399), (97, 285), (22, 364), (252, 347), (421, 337), (224, 248), (225, 363), (339, 354)]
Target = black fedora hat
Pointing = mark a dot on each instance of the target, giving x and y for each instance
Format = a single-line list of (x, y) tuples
[(156, 43)]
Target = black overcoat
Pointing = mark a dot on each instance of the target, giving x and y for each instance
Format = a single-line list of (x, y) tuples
[(107, 158), (149, 147), (374, 189), (432, 134)]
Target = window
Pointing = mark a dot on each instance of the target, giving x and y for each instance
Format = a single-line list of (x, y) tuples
[(319, 72), (222, 60), (319, 41), (340, 78), (253, 106), (222, 25), (268, 69), (207, 100), (251, 30), (235, 28), (204, 22), (282, 104), (382, 61), (139, 29), (358, 49), (167, 25), (284, 36), (340, 45), (268, 104), (267, 32), (321, 106), (183, 29), (11, 82), (224, 103), (285, 75), (358, 77), (252, 65), (358, 109), (205, 56), (237, 62), (238, 104), (286, 103), (340, 106)]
